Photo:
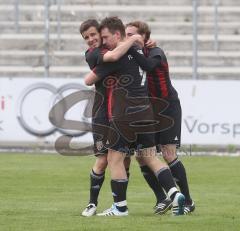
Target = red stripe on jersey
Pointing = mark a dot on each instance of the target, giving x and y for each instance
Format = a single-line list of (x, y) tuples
[(90, 49), (146, 51), (104, 51), (162, 82), (109, 102), (94, 70), (151, 86)]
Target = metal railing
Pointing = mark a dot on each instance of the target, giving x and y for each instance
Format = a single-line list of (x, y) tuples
[(195, 40), (59, 30), (16, 13), (46, 46), (216, 29)]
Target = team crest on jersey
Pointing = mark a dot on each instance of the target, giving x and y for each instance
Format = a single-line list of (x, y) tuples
[(130, 57), (99, 145)]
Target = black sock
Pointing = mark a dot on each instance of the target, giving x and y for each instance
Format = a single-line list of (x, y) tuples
[(119, 191), (179, 174), (165, 179), (96, 181), (153, 183)]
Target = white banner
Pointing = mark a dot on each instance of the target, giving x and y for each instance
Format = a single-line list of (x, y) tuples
[(211, 114), (25, 104), (210, 110)]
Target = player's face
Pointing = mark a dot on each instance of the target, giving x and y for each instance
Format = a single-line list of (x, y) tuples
[(131, 30), (108, 39), (92, 37)]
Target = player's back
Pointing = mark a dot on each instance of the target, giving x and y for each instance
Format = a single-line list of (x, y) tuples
[(123, 75), (158, 80), (130, 76)]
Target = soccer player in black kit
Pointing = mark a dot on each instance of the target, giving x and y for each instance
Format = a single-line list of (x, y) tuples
[(159, 86), (112, 33), (100, 121)]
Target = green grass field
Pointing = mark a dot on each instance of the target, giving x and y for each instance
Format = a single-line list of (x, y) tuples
[(48, 192)]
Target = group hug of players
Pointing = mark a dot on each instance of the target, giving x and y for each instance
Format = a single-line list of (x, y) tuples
[(137, 111)]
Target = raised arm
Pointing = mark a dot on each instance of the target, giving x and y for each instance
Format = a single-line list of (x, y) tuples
[(150, 43), (120, 50)]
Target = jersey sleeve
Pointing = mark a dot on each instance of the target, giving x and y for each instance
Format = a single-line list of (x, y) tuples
[(146, 63), (106, 69), (94, 57), (156, 51)]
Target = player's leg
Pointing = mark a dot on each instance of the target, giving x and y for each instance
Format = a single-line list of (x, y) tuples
[(179, 173), (162, 201), (97, 174), (165, 179), (170, 141), (97, 177), (119, 183)]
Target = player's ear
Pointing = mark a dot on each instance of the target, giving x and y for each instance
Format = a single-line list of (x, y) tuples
[(118, 34), (144, 36)]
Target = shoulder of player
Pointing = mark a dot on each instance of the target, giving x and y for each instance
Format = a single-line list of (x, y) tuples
[(95, 52), (92, 51), (156, 51), (103, 50)]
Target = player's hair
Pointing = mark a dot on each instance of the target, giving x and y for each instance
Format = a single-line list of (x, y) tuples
[(87, 24), (142, 28), (113, 24)]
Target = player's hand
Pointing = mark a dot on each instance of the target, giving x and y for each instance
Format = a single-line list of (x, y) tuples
[(138, 39), (150, 43)]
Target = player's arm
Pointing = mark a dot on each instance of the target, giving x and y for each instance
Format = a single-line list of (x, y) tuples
[(146, 63), (100, 72), (93, 57), (90, 78), (150, 43), (119, 51)]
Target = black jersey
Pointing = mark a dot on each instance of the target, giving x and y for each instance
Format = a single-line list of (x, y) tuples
[(159, 83), (94, 57), (160, 87), (125, 74), (158, 80)]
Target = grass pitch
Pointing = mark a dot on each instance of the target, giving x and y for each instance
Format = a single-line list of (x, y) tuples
[(48, 192)]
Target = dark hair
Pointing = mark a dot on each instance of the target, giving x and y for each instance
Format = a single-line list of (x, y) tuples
[(113, 24), (142, 28), (87, 24)]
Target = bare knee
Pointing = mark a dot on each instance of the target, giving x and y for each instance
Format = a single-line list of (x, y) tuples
[(116, 164), (100, 164), (169, 152), (114, 158), (148, 157)]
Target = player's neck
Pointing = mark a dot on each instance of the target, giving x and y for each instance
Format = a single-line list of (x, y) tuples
[(120, 41)]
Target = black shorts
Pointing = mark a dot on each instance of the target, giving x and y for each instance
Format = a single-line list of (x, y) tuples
[(172, 135), (118, 139), (100, 126)]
